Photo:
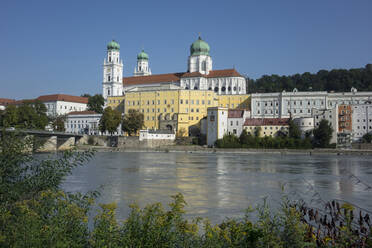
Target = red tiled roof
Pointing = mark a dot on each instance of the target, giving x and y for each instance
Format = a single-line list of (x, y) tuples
[(62, 97), (175, 77), (86, 112), (266, 122), (6, 101), (151, 79), (235, 113)]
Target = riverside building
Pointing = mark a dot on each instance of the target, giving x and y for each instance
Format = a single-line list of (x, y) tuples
[(173, 101)]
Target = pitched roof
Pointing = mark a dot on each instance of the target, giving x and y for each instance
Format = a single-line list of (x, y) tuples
[(175, 77), (62, 97), (235, 113), (6, 101), (151, 79), (86, 112), (266, 122)]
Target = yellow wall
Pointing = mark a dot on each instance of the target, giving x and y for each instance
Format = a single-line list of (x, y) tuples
[(267, 130), (234, 101), (190, 105)]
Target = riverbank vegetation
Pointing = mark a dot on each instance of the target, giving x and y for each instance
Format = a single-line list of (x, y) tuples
[(319, 138), (36, 212)]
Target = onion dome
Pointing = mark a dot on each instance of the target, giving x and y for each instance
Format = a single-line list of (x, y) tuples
[(199, 47), (113, 45), (143, 55)]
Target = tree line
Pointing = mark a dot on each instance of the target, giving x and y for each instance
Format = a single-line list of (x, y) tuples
[(319, 138), (338, 80)]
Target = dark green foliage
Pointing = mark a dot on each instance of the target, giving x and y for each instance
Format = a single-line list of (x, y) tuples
[(30, 115), (294, 132), (322, 134), (59, 123), (228, 141), (367, 138), (133, 121), (334, 80), (110, 120), (95, 103), (248, 141)]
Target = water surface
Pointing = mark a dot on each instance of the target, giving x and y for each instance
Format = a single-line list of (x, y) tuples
[(221, 185)]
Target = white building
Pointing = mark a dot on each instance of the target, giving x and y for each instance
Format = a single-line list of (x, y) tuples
[(112, 71), (305, 124), (361, 120), (331, 115), (59, 104), (82, 122), (199, 75), (216, 124), (300, 104), (157, 135), (235, 121)]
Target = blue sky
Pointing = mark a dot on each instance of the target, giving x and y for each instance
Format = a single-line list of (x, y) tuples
[(55, 46)]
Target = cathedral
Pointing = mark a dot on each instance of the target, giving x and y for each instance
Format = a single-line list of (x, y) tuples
[(199, 75)]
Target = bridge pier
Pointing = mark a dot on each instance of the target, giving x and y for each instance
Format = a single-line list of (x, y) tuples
[(46, 144), (65, 143)]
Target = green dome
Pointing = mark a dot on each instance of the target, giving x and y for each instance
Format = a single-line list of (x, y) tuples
[(143, 55), (113, 45), (199, 47)]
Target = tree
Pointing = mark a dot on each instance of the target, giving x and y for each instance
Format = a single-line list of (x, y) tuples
[(323, 134), (32, 116), (95, 103), (110, 120), (59, 123), (10, 116), (367, 138), (132, 122), (293, 130)]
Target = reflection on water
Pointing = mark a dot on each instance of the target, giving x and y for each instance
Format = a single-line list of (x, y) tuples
[(220, 185)]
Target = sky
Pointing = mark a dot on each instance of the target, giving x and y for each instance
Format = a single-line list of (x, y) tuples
[(50, 47)]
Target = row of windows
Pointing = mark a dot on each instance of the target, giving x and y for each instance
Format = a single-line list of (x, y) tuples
[(192, 102), (192, 110), (190, 118)]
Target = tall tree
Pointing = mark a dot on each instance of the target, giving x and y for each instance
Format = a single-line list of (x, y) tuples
[(110, 120), (132, 122), (323, 134), (95, 103), (10, 117), (293, 130)]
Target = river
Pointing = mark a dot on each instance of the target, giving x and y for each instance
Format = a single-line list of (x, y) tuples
[(222, 185)]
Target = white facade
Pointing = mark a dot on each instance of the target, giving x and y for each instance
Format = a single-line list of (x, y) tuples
[(55, 108), (331, 115), (157, 135), (361, 120), (305, 124), (200, 63), (234, 85), (112, 73), (86, 122), (217, 124), (235, 121), (300, 104)]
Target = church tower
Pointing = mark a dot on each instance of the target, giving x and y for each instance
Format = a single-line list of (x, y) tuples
[(112, 71), (199, 59), (142, 68)]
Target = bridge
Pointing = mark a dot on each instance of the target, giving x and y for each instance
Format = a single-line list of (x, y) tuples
[(49, 141)]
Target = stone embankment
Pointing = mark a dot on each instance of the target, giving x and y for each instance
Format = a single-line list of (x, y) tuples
[(200, 149)]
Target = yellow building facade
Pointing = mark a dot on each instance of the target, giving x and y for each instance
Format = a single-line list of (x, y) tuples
[(175, 109), (266, 126)]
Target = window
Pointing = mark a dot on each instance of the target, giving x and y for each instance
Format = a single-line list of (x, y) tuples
[(192, 110), (158, 101), (181, 101), (192, 101), (165, 101), (197, 102), (187, 101)]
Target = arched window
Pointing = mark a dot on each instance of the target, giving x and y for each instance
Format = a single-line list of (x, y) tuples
[(210, 88), (109, 78), (195, 88), (215, 89), (110, 59), (229, 88), (108, 92), (234, 88), (223, 89)]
